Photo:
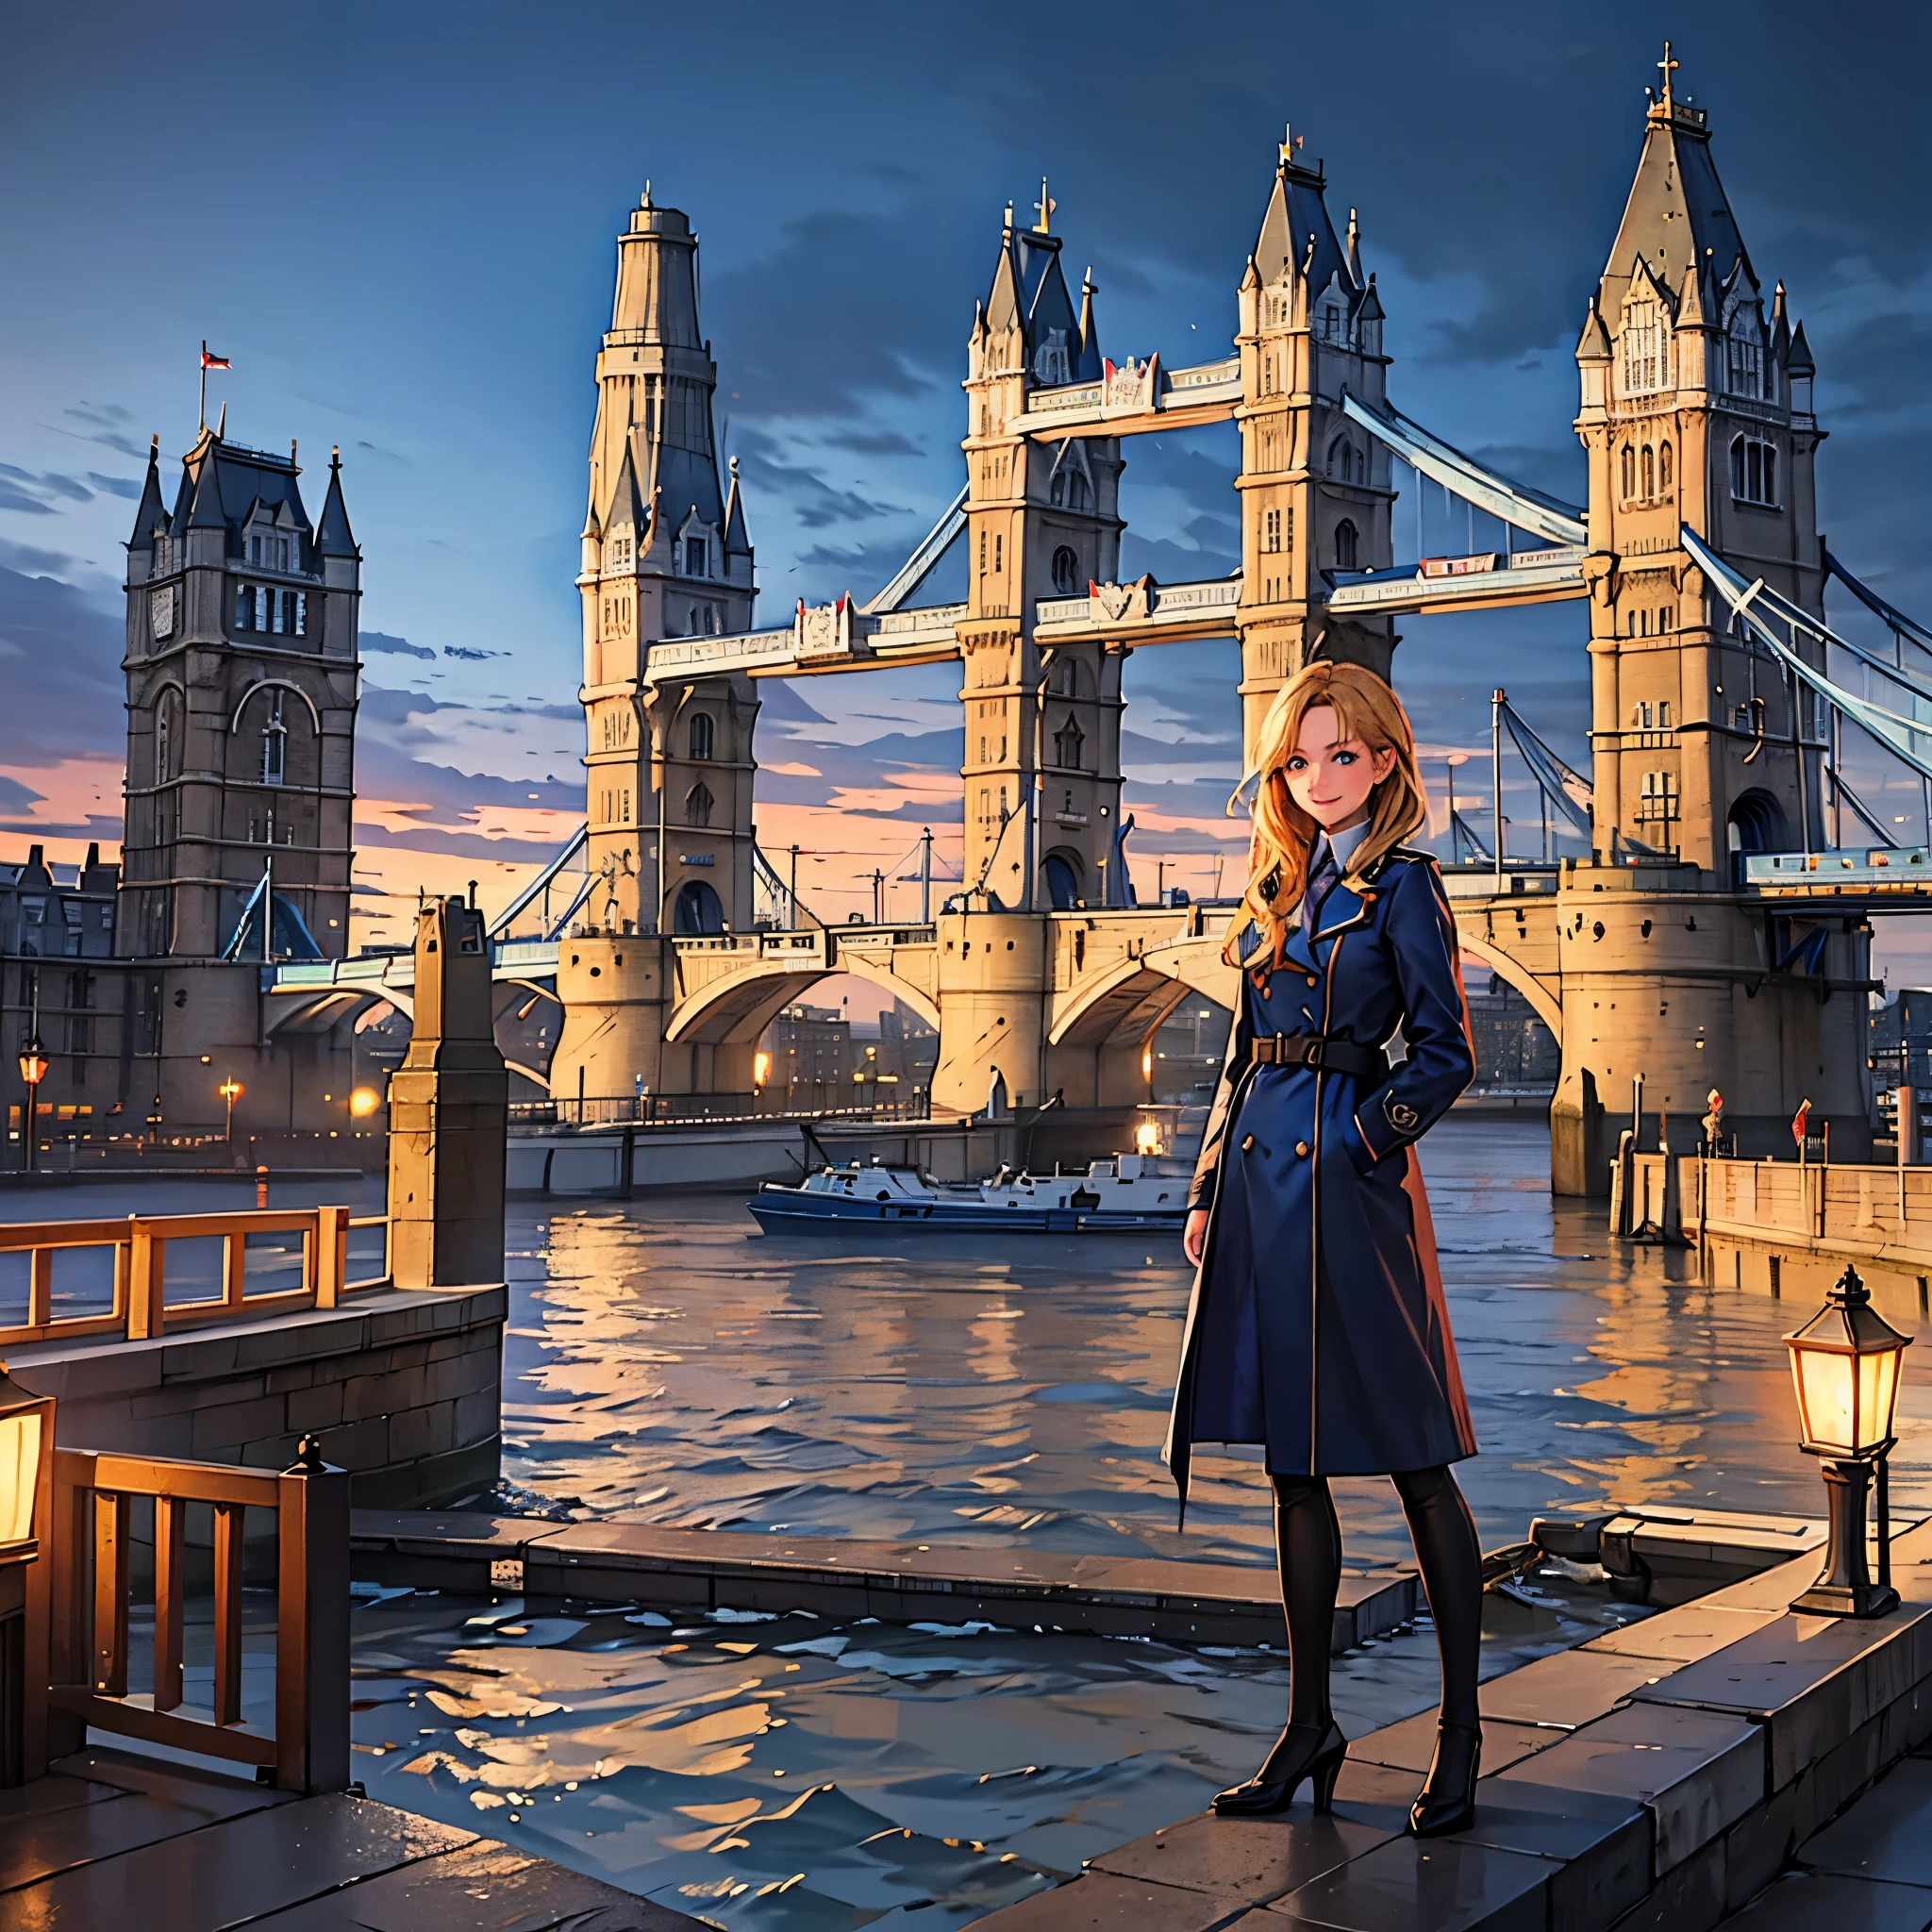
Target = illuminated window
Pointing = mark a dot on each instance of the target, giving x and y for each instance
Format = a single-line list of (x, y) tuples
[(703, 735)]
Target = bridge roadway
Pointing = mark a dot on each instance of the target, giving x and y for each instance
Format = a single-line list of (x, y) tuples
[(1108, 977)]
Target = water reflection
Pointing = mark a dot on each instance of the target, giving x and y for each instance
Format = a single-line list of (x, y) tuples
[(687, 1370)]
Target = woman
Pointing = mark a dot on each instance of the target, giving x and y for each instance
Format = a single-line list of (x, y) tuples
[(1318, 1329)]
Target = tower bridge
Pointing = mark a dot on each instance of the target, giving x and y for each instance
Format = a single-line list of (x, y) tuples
[(1708, 936)]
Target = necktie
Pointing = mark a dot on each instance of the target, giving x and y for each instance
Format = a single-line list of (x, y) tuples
[(1325, 875)]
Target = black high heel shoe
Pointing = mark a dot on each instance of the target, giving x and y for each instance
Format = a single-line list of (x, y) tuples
[(1447, 1800), (1303, 1751)]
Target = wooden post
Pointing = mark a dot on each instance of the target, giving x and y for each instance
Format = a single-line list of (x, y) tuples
[(146, 1266), (40, 1293), (331, 1254), (108, 1673), (312, 1625), (170, 1589), (227, 1700)]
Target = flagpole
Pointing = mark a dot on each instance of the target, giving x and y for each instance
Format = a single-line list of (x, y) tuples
[(203, 382)]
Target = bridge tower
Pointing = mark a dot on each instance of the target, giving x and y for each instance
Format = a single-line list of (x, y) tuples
[(1696, 410), (1041, 765), (241, 668), (669, 765), (1313, 486)]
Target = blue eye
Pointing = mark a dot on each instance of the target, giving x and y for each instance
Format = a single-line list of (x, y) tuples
[(1344, 758)]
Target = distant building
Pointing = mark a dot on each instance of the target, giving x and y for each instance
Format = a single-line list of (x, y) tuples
[(41, 918), (1515, 1052), (1900, 1039), (811, 1057), (1185, 1057)]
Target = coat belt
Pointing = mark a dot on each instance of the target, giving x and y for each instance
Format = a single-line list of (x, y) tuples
[(1321, 1051)]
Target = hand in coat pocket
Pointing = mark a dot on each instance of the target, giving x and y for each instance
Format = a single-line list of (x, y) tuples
[(1194, 1235)]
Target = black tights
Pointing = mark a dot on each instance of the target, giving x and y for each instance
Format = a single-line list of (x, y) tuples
[(1307, 1542)]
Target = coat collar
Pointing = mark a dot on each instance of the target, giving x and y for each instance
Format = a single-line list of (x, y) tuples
[(1343, 908)]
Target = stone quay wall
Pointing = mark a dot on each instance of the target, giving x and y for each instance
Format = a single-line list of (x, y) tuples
[(402, 1387)]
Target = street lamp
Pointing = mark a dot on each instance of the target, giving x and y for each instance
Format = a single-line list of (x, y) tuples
[(26, 1484), (231, 1091), (33, 1069), (1845, 1363)]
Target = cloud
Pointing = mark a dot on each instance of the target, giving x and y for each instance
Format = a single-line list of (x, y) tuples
[(874, 443), (810, 499), (402, 647), (475, 656), (65, 651)]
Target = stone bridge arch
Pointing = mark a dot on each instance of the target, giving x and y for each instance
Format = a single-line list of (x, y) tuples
[(735, 1006), (1099, 1028), (1475, 933)]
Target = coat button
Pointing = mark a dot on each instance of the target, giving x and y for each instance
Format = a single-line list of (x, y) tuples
[(1312, 979), (1247, 1143), (1301, 1148)]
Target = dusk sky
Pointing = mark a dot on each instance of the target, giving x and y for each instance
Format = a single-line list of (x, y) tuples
[(399, 224)]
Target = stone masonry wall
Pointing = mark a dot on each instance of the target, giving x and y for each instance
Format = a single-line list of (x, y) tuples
[(403, 1389)]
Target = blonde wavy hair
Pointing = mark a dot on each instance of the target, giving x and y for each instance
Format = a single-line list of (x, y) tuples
[(1285, 835)]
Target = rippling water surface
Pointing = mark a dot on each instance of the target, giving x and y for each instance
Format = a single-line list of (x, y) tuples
[(669, 1363)]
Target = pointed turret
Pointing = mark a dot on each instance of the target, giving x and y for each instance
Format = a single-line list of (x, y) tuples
[(1086, 366), (1676, 213), (737, 539), (1690, 304), (149, 511), (1296, 229), (1800, 363), (1355, 247), (333, 537), (1371, 306), (656, 375), (1594, 344), (1005, 302), (205, 511), (1780, 328)]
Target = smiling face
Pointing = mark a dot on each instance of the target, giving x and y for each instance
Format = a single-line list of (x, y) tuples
[(1329, 776)]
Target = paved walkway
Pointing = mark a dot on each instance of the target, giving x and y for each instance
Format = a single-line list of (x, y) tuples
[(111, 1840), (1650, 1780), (1868, 1871)]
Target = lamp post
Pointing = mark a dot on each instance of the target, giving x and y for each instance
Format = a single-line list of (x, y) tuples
[(26, 1509), (231, 1091), (33, 1069), (1845, 1363)]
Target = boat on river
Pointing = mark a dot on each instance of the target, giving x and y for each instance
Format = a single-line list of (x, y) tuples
[(1129, 1194)]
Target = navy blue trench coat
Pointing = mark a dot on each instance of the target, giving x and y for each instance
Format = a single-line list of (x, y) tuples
[(1317, 1327)]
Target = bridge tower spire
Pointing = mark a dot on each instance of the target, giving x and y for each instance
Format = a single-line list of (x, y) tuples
[(669, 764), (1315, 499), (1696, 413)]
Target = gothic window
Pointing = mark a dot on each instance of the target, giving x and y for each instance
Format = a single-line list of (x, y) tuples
[(1754, 470), (984, 805), (245, 607), (1744, 355), (695, 628), (1649, 472), (982, 553), (1664, 477), (1051, 363), (1346, 539), (1076, 492), (697, 805), (165, 748), (1340, 460), (1271, 530), (1626, 474), (1644, 359), (999, 545), (1658, 802), (1066, 746), (275, 742), (694, 558), (1066, 571), (703, 736)]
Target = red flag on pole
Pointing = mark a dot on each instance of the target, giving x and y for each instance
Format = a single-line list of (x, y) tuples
[(208, 362), (1801, 1125)]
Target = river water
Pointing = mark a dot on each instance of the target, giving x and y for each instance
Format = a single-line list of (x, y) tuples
[(669, 1363)]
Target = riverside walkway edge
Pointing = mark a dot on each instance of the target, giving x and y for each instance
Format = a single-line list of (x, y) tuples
[(1652, 1779), (847, 1577)]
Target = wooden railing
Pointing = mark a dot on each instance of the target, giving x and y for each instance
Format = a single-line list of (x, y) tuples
[(87, 1586), (139, 1309)]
